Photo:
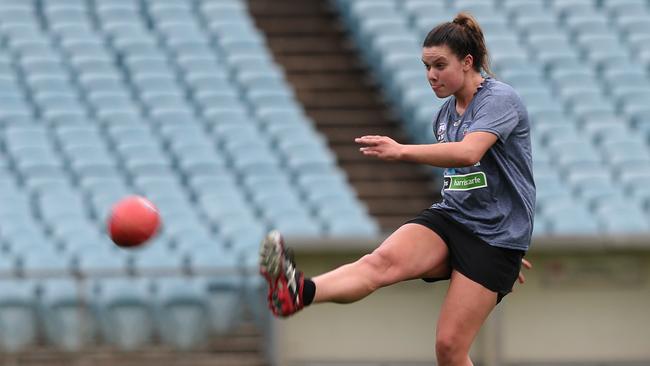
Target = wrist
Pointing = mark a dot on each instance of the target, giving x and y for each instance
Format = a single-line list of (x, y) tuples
[(402, 152)]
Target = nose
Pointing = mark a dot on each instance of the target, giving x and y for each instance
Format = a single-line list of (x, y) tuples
[(432, 75)]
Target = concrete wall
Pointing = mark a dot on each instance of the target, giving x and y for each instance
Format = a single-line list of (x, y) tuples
[(578, 306)]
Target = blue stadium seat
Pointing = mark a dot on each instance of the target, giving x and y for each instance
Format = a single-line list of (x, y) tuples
[(70, 314), (601, 130), (156, 258), (183, 310), (126, 309), (569, 217), (482, 9), (353, 225), (580, 25), (422, 7), (593, 187), (18, 315), (75, 240), (625, 7), (620, 219), (51, 206), (101, 259), (222, 290), (633, 24), (254, 293), (296, 223), (225, 10), (102, 82), (571, 6), (242, 235), (44, 260)]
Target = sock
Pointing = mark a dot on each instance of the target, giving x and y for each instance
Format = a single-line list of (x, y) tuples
[(308, 291)]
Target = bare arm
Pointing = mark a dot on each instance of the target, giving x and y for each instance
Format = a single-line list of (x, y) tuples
[(467, 152)]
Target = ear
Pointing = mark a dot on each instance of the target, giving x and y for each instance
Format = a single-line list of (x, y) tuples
[(468, 63)]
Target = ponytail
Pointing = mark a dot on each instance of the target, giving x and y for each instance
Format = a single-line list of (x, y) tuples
[(464, 37)]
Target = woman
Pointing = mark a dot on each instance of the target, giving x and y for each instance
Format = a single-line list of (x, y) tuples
[(477, 235)]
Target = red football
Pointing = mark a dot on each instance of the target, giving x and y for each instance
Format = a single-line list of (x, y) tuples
[(132, 221)]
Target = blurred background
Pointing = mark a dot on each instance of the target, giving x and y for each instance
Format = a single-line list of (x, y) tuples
[(235, 117)]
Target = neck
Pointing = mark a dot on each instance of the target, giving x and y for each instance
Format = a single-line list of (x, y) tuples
[(465, 95)]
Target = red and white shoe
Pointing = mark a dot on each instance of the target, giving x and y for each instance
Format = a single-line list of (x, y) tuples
[(286, 283)]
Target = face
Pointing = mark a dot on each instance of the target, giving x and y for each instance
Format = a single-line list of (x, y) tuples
[(445, 72)]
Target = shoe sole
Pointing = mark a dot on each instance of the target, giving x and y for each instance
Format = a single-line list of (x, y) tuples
[(271, 256)]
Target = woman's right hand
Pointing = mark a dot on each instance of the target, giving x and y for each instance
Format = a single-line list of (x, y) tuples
[(526, 264), (383, 147)]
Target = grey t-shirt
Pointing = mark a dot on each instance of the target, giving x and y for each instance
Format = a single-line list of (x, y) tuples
[(495, 199)]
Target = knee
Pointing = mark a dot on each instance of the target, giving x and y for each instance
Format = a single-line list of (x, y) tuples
[(449, 349), (378, 265)]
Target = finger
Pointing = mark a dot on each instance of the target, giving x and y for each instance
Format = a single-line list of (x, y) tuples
[(366, 140), (366, 137), (521, 278), (526, 264)]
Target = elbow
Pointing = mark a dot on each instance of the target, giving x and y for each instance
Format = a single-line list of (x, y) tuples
[(470, 157)]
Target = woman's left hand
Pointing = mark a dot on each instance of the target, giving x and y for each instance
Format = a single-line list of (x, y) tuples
[(382, 147), (521, 278)]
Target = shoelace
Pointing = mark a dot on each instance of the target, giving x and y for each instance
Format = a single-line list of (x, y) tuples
[(292, 285), (289, 254), (291, 273)]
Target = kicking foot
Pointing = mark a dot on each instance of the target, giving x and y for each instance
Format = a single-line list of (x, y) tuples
[(286, 283)]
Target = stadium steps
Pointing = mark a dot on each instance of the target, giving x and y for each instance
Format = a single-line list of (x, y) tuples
[(241, 348), (339, 99), (286, 8), (290, 45), (339, 61), (329, 81), (339, 94)]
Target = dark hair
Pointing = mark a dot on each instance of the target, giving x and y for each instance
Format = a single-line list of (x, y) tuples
[(464, 37)]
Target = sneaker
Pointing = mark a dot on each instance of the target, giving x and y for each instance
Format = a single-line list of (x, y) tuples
[(286, 283)]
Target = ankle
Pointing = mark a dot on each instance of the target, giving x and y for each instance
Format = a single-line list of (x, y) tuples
[(308, 291)]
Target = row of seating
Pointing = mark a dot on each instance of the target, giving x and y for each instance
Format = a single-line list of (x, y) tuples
[(126, 313)]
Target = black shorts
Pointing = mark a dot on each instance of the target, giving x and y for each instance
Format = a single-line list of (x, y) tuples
[(493, 267)]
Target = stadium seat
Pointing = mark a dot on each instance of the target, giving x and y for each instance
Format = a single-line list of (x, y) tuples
[(254, 293), (99, 259), (352, 225), (625, 7), (70, 317), (41, 261), (126, 308), (567, 218), (219, 270), (18, 315), (182, 311), (620, 219), (156, 258)]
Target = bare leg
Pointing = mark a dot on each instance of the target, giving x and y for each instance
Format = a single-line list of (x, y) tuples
[(412, 251), (466, 306)]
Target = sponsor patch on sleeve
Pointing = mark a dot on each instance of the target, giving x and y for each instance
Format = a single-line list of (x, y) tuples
[(465, 182)]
